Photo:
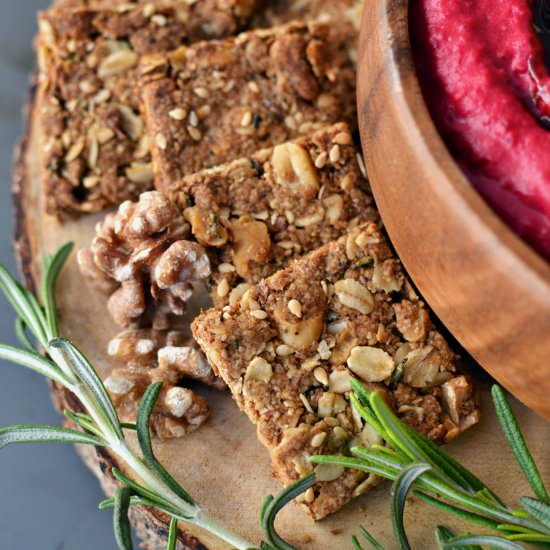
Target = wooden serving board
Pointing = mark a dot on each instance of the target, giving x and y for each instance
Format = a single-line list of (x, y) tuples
[(222, 464)]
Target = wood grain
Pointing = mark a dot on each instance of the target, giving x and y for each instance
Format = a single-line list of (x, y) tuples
[(488, 287)]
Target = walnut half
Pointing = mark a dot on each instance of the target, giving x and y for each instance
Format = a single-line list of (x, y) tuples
[(149, 356), (141, 258)]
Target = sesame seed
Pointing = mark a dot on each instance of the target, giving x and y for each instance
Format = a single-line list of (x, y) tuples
[(343, 138), (321, 160), (177, 114), (259, 314), (195, 133), (318, 439), (320, 374), (148, 10), (159, 20), (223, 288), (226, 268), (246, 120), (306, 403), (334, 153), (204, 111), (361, 164), (254, 87), (295, 308), (193, 119), (161, 141), (201, 92), (283, 350)]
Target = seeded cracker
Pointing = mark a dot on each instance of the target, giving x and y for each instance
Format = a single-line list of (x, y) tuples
[(217, 101), (204, 19), (288, 349), (94, 151), (254, 215)]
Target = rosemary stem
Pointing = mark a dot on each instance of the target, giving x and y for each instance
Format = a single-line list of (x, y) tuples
[(210, 524), (150, 480)]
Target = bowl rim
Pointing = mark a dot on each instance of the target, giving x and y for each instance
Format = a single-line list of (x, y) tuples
[(454, 184)]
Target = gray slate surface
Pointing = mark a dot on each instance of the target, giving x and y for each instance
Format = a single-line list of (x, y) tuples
[(48, 499)]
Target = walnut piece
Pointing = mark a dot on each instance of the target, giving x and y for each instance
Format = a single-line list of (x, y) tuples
[(150, 356), (140, 256)]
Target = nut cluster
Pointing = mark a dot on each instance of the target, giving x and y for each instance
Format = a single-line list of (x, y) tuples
[(141, 258), (150, 356)]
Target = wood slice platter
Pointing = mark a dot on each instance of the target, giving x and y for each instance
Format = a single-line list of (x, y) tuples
[(486, 285), (222, 464)]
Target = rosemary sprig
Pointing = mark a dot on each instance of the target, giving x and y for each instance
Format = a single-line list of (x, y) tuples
[(412, 461), (150, 484), (409, 459)]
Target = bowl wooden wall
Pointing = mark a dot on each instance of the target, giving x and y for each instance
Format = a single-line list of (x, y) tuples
[(488, 287)]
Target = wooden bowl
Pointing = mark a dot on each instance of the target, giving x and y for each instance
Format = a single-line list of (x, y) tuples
[(487, 286)]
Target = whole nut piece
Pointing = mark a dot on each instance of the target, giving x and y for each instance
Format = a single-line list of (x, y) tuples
[(259, 370), (251, 244), (139, 255), (353, 294), (370, 364), (294, 169), (149, 356)]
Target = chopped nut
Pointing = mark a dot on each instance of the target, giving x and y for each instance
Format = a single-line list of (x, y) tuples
[(226, 268), (320, 374), (325, 406), (457, 395), (141, 173), (178, 401), (205, 227), (334, 208), (421, 368), (259, 370), (412, 321), (283, 350), (251, 243), (131, 123), (366, 485), (370, 364), (118, 385), (387, 276), (369, 437), (328, 472), (354, 295), (340, 381), (118, 62), (189, 361), (223, 288), (293, 167), (301, 334), (311, 219)]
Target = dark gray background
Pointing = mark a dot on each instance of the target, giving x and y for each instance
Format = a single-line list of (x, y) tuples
[(48, 499)]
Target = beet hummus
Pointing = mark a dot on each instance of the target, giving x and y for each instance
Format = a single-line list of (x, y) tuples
[(481, 67)]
